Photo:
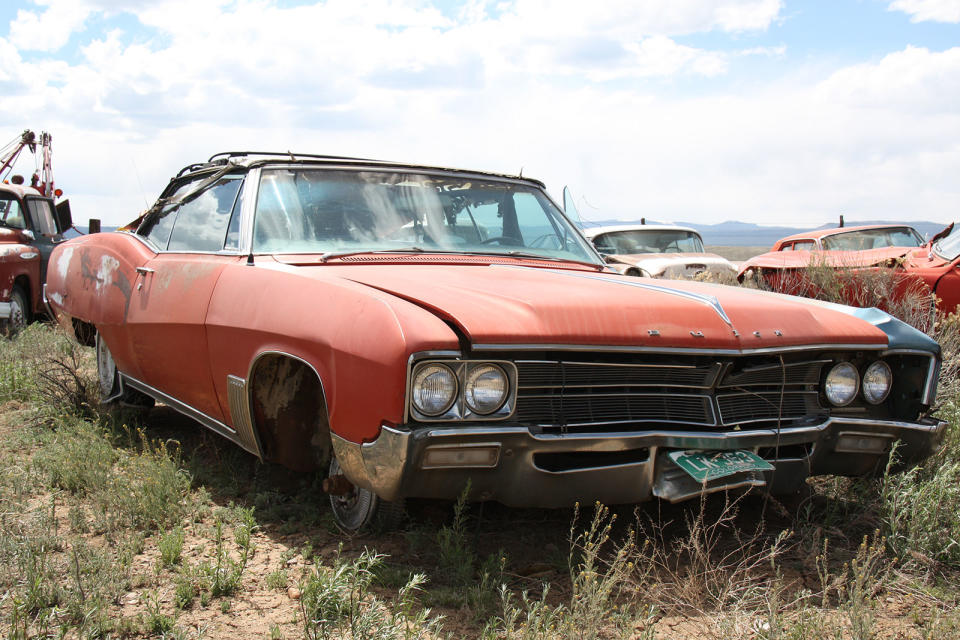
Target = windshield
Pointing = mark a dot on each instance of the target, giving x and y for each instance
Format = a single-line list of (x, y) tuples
[(873, 239), (648, 241), (948, 248), (323, 211)]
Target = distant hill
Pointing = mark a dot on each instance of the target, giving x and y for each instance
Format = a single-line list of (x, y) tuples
[(747, 234)]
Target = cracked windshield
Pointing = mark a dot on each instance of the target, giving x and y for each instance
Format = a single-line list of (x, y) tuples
[(311, 211)]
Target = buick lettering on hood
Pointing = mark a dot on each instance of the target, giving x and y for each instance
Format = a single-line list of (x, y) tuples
[(406, 330)]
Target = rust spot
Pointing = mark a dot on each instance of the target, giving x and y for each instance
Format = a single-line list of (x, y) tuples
[(290, 414), (337, 485)]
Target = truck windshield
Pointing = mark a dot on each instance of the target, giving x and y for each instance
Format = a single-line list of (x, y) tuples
[(321, 211), (41, 216)]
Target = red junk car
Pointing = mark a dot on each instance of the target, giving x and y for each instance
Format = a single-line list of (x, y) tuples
[(405, 329)]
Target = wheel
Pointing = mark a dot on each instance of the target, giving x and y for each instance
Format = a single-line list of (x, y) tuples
[(19, 310), (111, 389), (357, 509)]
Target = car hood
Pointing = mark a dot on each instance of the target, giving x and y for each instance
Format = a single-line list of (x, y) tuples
[(838, 259), (516, 305), (681, 264)]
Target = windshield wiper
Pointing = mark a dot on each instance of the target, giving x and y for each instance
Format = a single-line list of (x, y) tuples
[(330, 255)]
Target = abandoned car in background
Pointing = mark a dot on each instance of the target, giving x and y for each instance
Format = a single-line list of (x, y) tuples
[(407, 329), (658, 251)]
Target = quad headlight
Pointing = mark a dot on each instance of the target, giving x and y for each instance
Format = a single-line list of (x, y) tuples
[(434, 389), (462, 390), (486, 388), (877, 380), (842, 384)]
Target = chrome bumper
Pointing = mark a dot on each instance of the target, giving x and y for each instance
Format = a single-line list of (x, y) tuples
[(392, 465), (5, 310)]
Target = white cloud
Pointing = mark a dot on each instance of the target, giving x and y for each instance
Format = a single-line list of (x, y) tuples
[(929, 10), (569, 93), (51, 29)]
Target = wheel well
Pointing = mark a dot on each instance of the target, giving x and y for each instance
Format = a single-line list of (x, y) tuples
[(85, 333), (289, 412), (24, 283)]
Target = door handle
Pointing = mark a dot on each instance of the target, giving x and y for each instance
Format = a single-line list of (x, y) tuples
[(144, 271)]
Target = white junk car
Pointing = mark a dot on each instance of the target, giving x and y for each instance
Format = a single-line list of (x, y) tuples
[(657, 251)]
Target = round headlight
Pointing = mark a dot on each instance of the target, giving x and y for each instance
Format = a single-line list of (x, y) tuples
[(485, 389), (434, 389), (877, 380), (842, 385)]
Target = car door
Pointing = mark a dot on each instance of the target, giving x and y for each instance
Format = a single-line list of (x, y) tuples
[(172, 292)]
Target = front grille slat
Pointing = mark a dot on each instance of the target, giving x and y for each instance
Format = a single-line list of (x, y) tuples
[(704, 393)]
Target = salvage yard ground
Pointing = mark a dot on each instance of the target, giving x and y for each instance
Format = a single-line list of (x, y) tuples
[(135, 526)]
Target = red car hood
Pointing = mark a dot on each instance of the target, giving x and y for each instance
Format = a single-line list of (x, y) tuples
[(839, 259), (502, 305)]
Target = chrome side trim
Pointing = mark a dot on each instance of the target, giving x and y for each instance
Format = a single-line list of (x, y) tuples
[(251, 191), (210, 423), (240, 414), (46, 302), (677, 350)]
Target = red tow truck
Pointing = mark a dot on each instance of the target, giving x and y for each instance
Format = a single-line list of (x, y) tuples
[(31, 225)]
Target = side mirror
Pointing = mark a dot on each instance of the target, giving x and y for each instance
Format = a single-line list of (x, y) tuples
[(29, 235), (64, 219)]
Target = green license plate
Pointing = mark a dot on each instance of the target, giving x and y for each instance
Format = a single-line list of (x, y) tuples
[(704, 466)]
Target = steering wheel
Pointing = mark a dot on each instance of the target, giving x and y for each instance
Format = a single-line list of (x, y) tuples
[(543, 241), (499, 239)]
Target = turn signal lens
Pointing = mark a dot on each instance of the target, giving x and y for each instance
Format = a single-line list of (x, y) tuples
[(877, 380), (434, 389), (842, 384), (485, 389)]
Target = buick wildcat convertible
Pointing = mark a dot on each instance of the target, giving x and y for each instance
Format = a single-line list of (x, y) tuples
[(406, 329)]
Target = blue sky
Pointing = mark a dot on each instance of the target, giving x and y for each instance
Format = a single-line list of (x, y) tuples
[(769, 111)]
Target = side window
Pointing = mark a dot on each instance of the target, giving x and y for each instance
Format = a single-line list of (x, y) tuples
[(202, 221), (786, 246), (157, 228), (10, 213), (804, 245)]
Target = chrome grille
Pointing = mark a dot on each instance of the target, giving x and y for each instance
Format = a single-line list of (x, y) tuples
[(706, 392), (736, 408), (606, 408), (592, 375)]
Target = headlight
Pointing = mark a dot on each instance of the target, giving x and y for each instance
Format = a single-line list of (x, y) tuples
[(485, 389), (434, 389), (842, 385), (877, 380)]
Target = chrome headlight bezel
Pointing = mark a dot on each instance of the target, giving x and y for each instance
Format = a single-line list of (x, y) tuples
[(852, 388), (421, 375), (460, 409), (877, 366)]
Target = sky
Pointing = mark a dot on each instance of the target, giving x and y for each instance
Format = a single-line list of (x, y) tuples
[(768, 111)]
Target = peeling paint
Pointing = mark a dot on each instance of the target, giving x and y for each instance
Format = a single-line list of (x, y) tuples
[(63, 262), (56, 297), (108, 265)]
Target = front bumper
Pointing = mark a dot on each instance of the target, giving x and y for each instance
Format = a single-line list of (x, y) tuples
[(536, 470)]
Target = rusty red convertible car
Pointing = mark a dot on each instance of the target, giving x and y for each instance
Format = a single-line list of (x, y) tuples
[(406, 329)]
